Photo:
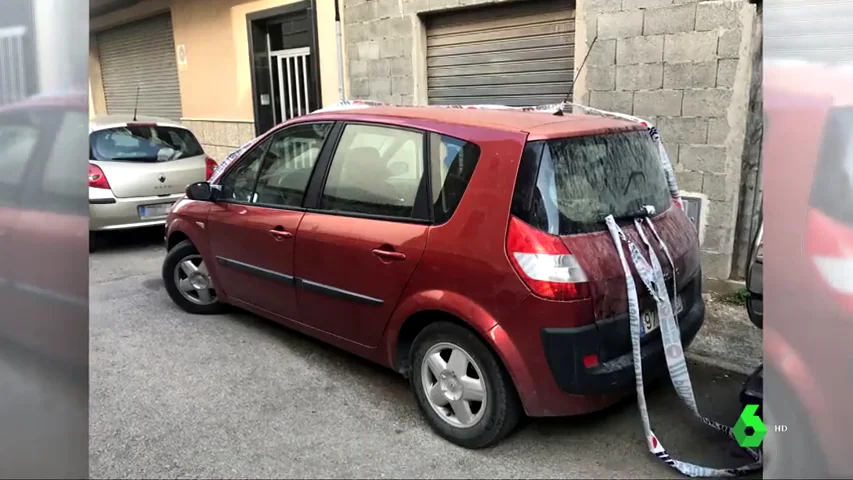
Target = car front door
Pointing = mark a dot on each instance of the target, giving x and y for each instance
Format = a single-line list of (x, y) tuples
[(253, 223), (359, 244)]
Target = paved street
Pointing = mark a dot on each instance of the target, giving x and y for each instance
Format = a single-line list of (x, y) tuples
[(175, 395)]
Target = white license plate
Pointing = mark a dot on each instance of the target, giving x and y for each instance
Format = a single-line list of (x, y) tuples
[(152, 211), (650, 320)]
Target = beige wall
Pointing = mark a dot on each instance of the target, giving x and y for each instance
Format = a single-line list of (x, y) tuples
[(215, 83)]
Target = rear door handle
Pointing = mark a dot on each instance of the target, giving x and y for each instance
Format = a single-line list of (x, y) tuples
[(279, 233), (388, 255)]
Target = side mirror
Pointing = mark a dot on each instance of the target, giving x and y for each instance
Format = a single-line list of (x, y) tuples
[(398, 168), (200, 191)]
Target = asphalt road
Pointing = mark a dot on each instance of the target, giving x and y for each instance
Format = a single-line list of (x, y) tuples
[(174, 395)]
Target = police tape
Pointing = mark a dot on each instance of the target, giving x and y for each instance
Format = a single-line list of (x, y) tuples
[(651, 275)]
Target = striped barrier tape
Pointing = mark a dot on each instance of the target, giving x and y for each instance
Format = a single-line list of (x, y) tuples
[(652, 278)]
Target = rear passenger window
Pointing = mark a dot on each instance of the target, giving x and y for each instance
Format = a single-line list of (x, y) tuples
[(376, 171), (452, 163)]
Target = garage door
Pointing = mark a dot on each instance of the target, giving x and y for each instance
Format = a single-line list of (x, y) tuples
[(141, 54), (518, 55), (810, 30)]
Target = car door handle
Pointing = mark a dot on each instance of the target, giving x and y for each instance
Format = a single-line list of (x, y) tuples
[(389, 255), (280, 234)]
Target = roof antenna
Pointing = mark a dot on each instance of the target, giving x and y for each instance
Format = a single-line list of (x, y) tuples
[(583, 64), (136, 102)]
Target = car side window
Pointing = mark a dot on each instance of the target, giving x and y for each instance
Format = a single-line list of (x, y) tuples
[(375, 170), (61, 189), (452, 163), (18, 140), (238, 185), (288, 164)]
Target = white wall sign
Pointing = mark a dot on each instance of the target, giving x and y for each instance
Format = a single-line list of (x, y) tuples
[(181, 55)]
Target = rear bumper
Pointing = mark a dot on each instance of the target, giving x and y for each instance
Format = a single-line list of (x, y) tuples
[(107, 212), (565, 349)]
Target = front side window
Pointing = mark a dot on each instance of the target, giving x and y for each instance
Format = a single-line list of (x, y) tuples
[(238, 184), (288, 164), (375, 171), (143, 143)]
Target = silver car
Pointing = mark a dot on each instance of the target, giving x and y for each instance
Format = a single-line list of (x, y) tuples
[(138, 168)]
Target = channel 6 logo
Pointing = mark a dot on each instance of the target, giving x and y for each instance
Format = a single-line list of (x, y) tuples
[(749, 430)]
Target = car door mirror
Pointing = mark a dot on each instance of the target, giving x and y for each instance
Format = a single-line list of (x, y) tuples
[(200, 191)]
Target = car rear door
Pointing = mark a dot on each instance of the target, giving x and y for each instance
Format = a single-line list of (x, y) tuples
[(253, 223), (361, 240)]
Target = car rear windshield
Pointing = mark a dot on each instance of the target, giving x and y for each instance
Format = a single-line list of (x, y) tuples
[(832, 187), (568, 186), (143, 143)]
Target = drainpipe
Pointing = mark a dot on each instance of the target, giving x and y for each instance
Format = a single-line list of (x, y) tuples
[(340, 52)]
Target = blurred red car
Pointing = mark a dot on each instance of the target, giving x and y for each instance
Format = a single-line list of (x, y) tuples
[(808, 280), (463, 248)]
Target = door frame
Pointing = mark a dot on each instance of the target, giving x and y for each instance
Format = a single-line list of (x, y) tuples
[(259, 16)]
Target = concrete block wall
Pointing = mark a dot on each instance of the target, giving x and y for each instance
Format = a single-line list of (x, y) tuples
[(685, 65)]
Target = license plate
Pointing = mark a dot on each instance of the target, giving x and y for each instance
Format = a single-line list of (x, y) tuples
[(152, 211), (650, 320)]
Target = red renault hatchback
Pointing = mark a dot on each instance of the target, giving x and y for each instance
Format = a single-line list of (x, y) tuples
[(465, 249)]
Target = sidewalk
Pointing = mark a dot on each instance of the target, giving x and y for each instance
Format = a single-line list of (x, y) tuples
[(728, 339)]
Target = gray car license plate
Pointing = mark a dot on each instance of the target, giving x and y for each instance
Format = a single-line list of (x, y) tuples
[(154, 211)]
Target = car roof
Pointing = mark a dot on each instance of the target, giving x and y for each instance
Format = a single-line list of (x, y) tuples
[(101, 122), (539, 125)]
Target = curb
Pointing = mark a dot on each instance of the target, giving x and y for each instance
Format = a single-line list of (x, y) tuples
[(722, 364)]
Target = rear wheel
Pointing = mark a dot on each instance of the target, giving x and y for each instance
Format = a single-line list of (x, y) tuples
[(461, 387), (188, 281)]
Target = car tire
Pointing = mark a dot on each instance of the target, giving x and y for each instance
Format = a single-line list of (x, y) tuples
[(796, 452), (192, 302), (488, 421)]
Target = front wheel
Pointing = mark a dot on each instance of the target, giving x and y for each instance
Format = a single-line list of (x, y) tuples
[(188, 281), (461, 387)]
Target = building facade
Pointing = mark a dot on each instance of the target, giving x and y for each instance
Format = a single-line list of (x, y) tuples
[(687, 65), (227, 69)]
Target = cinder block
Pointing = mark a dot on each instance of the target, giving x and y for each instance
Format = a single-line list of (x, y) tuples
[(717, 239), (689, 181), (603, 52), (401, 66), (601, 6), (703, 158), (621, 102), (657, 103), (690, 47), (715, 186), (716, 265), (397, 27), (415, 6), (726, 70), (379, 68), (690, 75), (368, 50), (712, 102), (718, 130), (380, 88), (683, 129), (358, 68), (674, 19), (402, 85), (645, 49), (359, 88), (716, 14), (620, 24), (637, 4), (602, 78), (639, 77), (729, 44)]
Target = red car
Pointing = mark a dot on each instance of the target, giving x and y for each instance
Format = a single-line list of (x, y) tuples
[(808, 240), (465, 249)]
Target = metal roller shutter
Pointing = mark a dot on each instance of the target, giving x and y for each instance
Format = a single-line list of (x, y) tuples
[(810, 30), (517, 55), (141, 53)]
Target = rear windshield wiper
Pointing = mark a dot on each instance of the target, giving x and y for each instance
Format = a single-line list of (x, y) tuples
[(646, 211)]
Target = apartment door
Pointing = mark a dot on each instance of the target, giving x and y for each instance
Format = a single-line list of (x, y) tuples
[(285, 64)]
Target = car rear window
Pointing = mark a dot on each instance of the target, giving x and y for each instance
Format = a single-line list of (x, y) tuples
[(143, 143), (832, 187), (568, 186)]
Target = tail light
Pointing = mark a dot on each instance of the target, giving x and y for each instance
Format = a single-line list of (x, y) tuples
[(210, 167), (545, 264), (97, 179)]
